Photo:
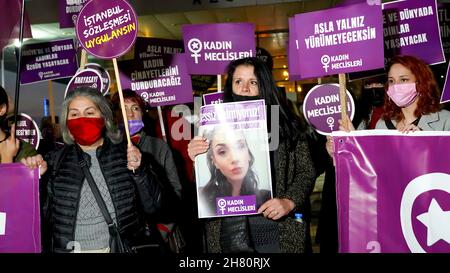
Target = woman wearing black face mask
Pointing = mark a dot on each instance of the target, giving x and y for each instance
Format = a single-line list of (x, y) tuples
[(293, 174), (11, 148), (122, 174), (369, 107)]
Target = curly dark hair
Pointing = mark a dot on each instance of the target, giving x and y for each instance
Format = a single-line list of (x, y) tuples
[(426, 86)]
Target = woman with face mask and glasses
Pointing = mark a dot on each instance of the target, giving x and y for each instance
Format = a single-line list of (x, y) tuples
[(124, 179)]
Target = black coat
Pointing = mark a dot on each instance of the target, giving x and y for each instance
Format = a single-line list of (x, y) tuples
[(131, 194)]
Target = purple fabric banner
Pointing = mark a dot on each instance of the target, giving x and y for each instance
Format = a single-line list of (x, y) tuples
[(68, 12), (213, 98), (412, 28), (149, 47), (107, 29), (10, 22), (48, 61), (322, 108), (160, 80), (20, 229), (389, 200), (211, 47), (339, 40)]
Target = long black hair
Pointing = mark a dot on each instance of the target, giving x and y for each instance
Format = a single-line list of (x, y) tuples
[(290, 124), (3, 101)]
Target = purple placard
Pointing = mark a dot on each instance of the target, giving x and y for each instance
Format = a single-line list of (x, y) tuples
[(68, 12), (233, 112), (322, 108), (10, 22), (445, 97), (213, 98), (236, 205), (106, 79), (292, 52), (444, 26), (48, 61), (339, 40), (107, 29), (149, 47), (19, 209), (211, 47), (393, 204), (27, 130), (161, 80), (412, 28), (86, 77)]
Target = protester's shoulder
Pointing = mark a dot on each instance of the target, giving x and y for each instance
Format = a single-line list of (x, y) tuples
[(444, 114), (381, 124)]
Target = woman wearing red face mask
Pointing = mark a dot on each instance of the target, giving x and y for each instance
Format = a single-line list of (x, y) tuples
[(72, 216)]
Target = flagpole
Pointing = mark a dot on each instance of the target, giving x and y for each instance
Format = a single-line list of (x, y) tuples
[(19, 58)]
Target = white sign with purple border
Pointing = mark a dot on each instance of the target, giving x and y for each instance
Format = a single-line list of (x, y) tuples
[(233, 177)]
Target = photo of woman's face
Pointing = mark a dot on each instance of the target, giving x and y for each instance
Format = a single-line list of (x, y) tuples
[(230, 154)]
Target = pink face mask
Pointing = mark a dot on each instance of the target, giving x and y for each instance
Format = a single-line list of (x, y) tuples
[(402, 94)]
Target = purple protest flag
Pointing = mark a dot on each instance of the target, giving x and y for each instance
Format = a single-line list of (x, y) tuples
[(148, 47), (412, 28), (20, 229), (107, 29), (211, 47), (390, 201), (68, 12), (160, 80), (339, 40), (322, 108), (10, 26), (48, 61)]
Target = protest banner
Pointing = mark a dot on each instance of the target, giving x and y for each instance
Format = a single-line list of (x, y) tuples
[(106, 79), (107, 30), (233, 177), (213, 98), (211, 47), (20, 229), (159, 80), (68, 12), (390, 201), (146, 47), (412, 28), (338, 40), (87, 78), (322, 107), (48, 61)]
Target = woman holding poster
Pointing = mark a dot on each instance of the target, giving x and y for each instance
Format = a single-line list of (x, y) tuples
[(274, 229), (94, 153)]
